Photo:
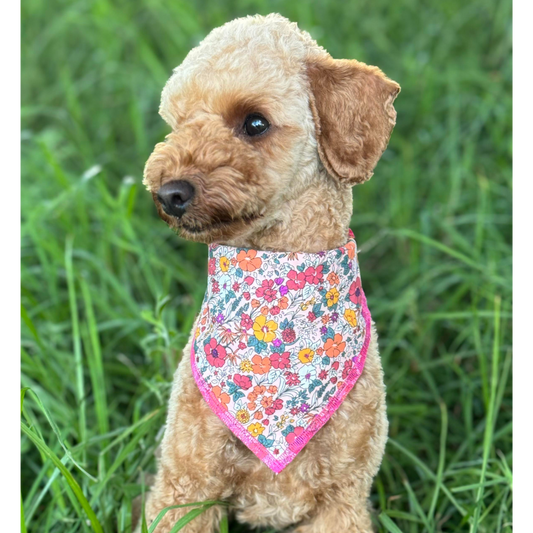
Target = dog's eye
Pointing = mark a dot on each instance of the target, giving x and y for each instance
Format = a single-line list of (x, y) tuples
[(255, 124)]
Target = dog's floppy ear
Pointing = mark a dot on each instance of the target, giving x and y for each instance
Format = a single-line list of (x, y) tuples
[(354, 116)]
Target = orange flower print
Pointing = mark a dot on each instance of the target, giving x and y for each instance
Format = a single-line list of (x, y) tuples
[(261, 365), (258, 415), (283, 302), (258, 390), (248, 260), (252, 406), (350, 248), (267, 401), (306, 355), (333, 279), (255, 303), (264, 310), (222, 397), (334, 347)]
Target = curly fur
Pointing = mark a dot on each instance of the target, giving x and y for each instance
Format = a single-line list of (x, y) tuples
[(287, 190)]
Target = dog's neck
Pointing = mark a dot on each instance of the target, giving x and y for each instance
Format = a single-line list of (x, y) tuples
[(313, 219)]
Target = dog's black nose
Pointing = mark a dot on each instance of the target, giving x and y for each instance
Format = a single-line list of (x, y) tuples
[(175, 196)]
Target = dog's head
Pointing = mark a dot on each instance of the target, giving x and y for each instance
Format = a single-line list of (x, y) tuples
[(258, 113)]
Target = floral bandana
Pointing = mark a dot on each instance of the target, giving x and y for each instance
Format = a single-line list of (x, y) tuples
[(280, 341)]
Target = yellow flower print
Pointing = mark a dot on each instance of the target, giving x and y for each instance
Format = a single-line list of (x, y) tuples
[(306, 355), (224, 264), (197, 333), (243, 416), (265, 330), (246, 366), (332, 296), (350, 317), (256, 429)]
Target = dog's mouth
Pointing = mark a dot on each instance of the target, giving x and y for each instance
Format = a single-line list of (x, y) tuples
[(217, 225)]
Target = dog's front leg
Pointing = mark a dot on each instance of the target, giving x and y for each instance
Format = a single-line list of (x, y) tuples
[(346, 512), (193, 466)]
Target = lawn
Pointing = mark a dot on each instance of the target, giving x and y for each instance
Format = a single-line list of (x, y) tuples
[(109, 293)]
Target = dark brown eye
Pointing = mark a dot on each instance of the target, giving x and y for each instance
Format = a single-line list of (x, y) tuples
[(255, 124)]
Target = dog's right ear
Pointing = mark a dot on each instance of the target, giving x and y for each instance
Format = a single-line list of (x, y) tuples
[(354, 116)]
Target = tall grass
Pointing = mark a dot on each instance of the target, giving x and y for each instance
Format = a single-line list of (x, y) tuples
[(109, 293)]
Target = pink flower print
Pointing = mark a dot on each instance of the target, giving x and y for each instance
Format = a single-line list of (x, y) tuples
[(347, 368), (313, 275), (296, 280), (291, 437), (292, 379), (216, 354), (356, 292), (246, 295), (266, 290), (215, 288), (288, 335), (211, 266), (276, 406), (236, 287), (280, 360), (275, 310), (244, 382), (246, 321), (323, 375), (311, 316)]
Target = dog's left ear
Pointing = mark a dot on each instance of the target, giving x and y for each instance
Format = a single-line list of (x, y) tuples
[(354, 116)]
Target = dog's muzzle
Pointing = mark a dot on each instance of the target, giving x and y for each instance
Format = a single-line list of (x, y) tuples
[(175, 196)]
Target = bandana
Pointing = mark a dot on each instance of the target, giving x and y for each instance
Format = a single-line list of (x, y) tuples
[(280, 341)]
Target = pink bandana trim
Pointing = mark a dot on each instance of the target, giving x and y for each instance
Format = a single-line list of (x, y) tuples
[(280, 341)]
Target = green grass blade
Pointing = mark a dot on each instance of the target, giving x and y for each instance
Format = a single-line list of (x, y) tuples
[(442, 459), (27, 320), (491, 416), (191, 515), (388, 524), (95, 360), (224, 527), (76, 338), (57, 433), (22, 395), (22, 519), (73, 484), (164, 511)]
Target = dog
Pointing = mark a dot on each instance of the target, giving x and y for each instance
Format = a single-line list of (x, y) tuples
[(269, 134)]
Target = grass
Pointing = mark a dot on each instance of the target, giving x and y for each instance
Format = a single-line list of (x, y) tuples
[(109, 293)]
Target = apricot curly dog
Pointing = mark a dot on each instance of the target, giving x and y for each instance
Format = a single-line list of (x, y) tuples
[(269, 133)]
